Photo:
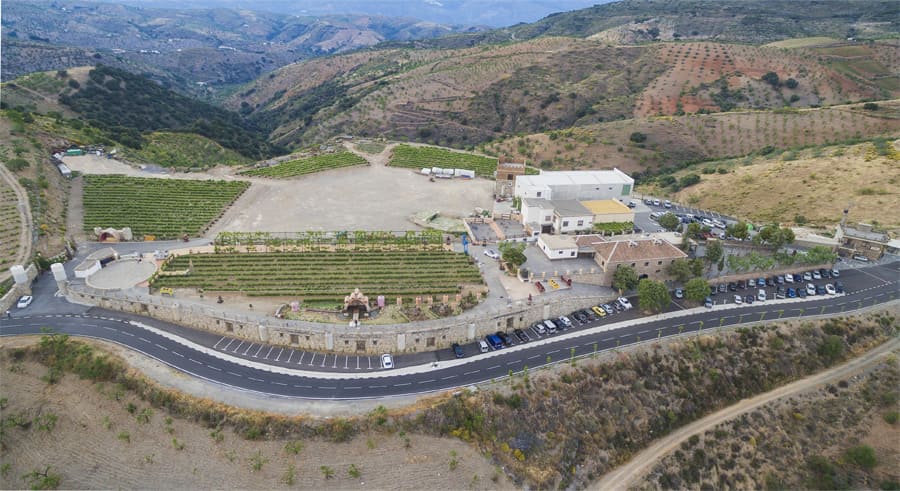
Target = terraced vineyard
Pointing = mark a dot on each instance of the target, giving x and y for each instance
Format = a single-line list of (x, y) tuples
[(165, 208), (10, 223), (324, 275), (419, 157), (293, 168)]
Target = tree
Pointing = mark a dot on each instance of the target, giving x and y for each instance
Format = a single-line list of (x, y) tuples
[(738, 230), (669, 222), (771, 78), (638, 137), (625, 278), (791, 83), (831, 348), (513, 253), (653, 296), (775, 236), (694, 230), (870, 106), (696, 290), (714, 252), (680, 269), (697, 267)]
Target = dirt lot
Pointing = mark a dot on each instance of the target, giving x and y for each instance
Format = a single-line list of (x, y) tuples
[(97, 443), (361, 198)]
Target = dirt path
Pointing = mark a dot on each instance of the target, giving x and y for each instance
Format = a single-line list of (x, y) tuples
[(380, 159), (25, 226), (626, 475), (75, 214)]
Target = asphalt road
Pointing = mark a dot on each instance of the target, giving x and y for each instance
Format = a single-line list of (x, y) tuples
[(865, 286)]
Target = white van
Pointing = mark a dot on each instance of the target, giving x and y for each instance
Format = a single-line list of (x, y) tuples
[(483, 345), (761, 296)]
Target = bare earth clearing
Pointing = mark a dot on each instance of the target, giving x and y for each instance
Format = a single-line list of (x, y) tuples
[(361, 198), (88, 448)]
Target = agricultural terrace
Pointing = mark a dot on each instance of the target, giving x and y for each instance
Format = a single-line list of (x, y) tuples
[(10, 225), (164, 208), (310, 165), (322, 275), (420, 157)]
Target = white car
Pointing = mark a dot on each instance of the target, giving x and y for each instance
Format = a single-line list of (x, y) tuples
[(492, 254), (829, 289), (656, 202), (667, 204), (387, 361), (706, 222), (816, 275), (811, 289), (624, 303), (807, 276), (24, 301), (738, 300), (789, 278)]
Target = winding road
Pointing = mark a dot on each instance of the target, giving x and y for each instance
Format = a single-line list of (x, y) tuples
[(271, 370)]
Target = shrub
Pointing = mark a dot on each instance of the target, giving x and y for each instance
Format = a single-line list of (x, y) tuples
[(862, 456), (891, 417), (870, 106), (638, 137)]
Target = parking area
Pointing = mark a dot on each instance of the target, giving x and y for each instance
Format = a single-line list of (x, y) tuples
[(292, 358), (483, 232)]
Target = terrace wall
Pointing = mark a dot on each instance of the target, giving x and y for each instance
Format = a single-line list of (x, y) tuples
[(371, 339)]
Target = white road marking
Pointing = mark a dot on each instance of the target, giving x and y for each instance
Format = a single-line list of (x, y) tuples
[(217, 342), (214, 368), (235, 374), (161, 347)]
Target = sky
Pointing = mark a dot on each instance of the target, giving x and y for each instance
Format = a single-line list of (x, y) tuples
[(492, 13)]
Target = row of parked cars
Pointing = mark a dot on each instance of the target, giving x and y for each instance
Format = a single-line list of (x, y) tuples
[(780, 283), (500, 339)]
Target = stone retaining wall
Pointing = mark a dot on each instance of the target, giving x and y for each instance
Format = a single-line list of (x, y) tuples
[(370, 339)]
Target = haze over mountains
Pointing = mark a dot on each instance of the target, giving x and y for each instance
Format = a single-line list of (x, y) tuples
[(493, 13)]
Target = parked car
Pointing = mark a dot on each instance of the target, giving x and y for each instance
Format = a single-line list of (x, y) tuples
[(825, 273), (810, 289), (667, 204), (708, 303), (816, 275), (829, 289), (713, 290), (738, 300), (807, 276), (539, 327), (820, 290), (551, 326), (387, 361), (504, 338), (656, 202), (648, 201), (632, 204), (24, 301), (748, 299), (761, 282), (742, 285), (788, 278), (791, 293), (580, 317), (859, 258), (770, 281), (732, 287), (608, 308), (494, 341), (779, 279), (838, 287), (521, 335), (779, 292), (761, 296), (597, 310), (723, 288), (492, 254), (618, 307), (564, 322), (624, 303), (801, 292), (798, 278), (835, 273), (483, 346), (457, 350), (679, 293)]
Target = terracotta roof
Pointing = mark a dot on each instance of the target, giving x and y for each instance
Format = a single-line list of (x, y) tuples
[(626, 251)]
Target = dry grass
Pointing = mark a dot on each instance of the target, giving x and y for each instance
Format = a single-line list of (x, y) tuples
[(802, 42), (817, 185)]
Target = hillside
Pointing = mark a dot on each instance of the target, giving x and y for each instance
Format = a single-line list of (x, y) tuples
[(126, 105), (184, 47), (461, 97), (672, 141), (811, 186)]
